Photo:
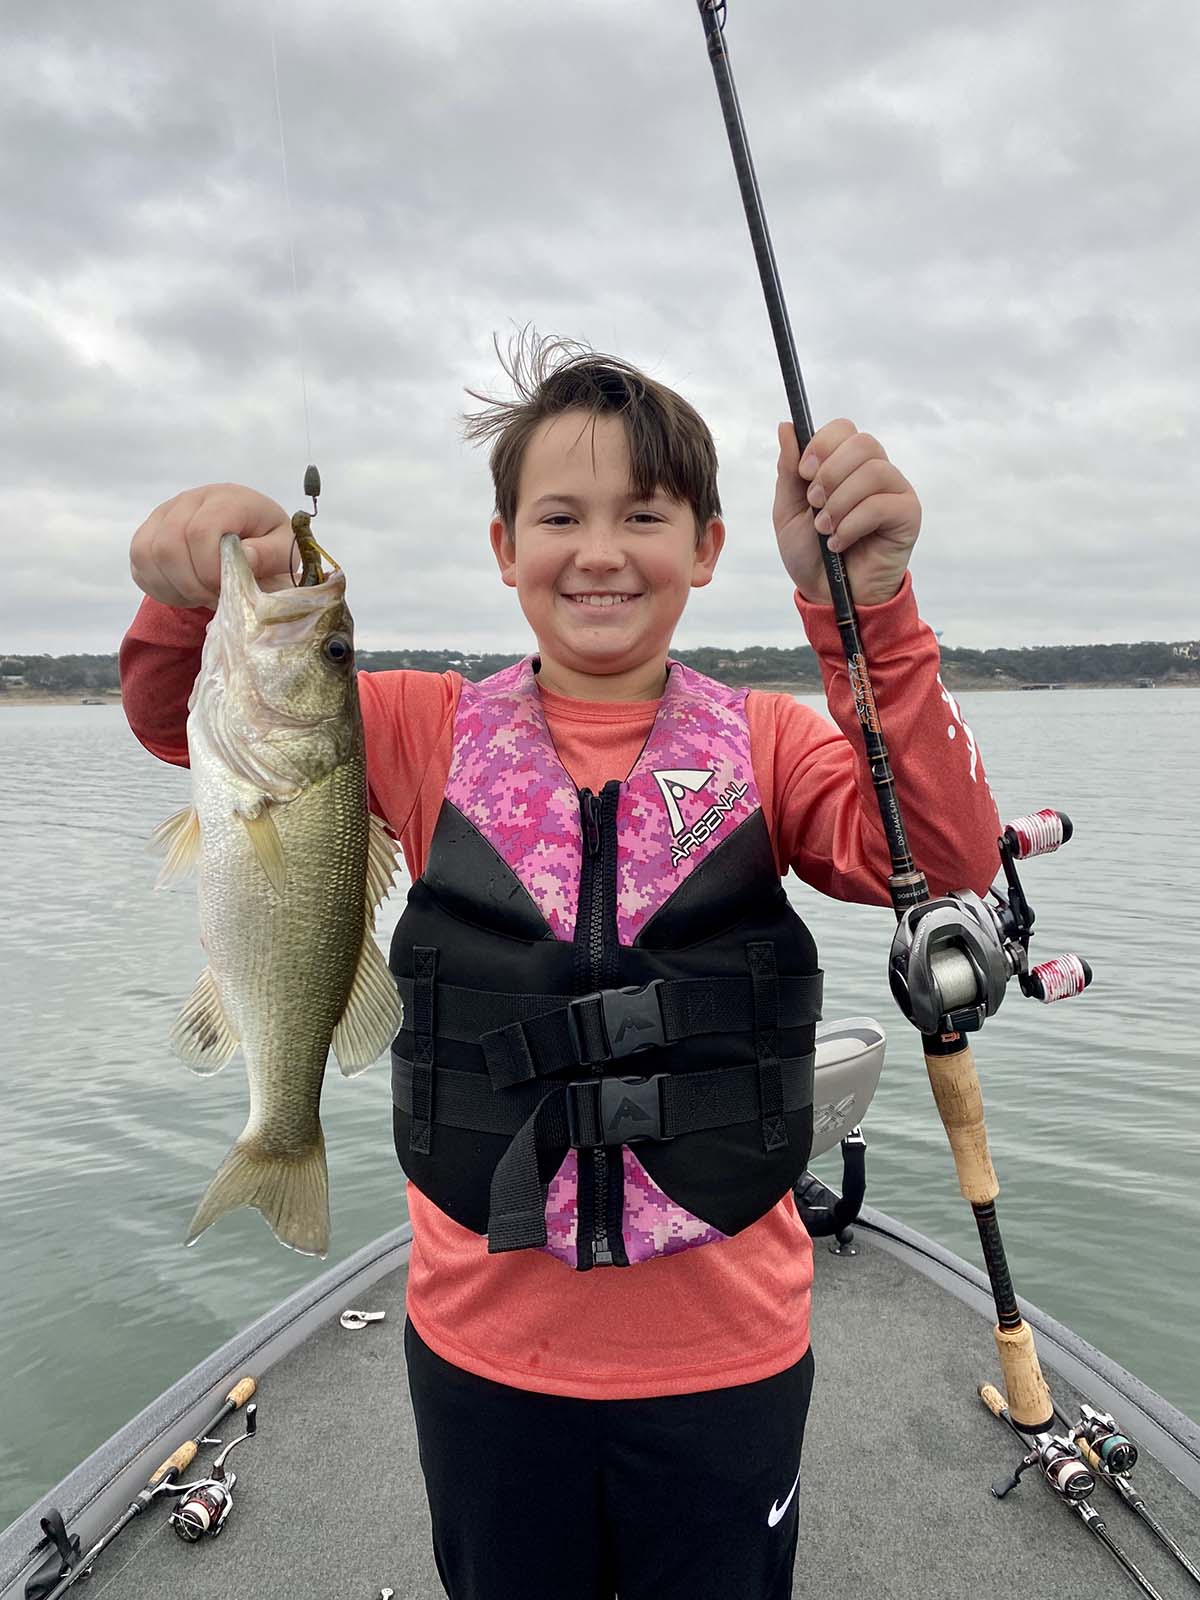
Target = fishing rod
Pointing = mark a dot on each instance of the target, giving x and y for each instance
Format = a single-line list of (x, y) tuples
[(57, 1573), (1112, 1456), (952, 957), (1064, 1471)]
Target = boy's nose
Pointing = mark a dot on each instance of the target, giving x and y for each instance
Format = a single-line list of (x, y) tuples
[(599, 549)]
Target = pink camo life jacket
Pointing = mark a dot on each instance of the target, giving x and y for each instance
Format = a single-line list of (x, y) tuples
[(610, 1005)]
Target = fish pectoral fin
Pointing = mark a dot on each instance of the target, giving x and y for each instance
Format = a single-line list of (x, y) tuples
[(179, 839), (381, 864), (291, 1191), (373, 1012), (264, 838), (202, 1037)]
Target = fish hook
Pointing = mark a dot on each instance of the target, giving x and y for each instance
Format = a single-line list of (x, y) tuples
[(310, 551)]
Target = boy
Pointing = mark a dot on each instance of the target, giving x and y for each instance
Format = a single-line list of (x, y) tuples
[(596, 839)]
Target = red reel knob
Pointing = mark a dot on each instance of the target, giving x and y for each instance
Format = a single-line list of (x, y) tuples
[(1057, 979), (1038, 834)]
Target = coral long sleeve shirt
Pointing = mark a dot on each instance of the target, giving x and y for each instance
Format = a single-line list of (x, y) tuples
[(729, 1313)]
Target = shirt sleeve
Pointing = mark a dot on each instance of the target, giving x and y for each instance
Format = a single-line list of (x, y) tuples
[(408, 723), (408, 719), (158, 660), (816, 784)]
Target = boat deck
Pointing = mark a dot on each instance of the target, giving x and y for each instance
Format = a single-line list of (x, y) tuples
[(895, 1500)]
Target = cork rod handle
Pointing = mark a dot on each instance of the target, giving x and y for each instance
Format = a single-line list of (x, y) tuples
[(955, 1085), (178, 1461), (1029, 1402), (992, 1398), (241, 1392)]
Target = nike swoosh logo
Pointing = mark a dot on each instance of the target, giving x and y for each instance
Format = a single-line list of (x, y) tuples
[(776, 1512)]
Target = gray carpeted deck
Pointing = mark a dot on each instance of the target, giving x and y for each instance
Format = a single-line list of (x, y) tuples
[(895, 1493)]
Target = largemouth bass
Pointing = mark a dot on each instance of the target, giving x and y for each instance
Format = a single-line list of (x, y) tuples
[(292, 869)]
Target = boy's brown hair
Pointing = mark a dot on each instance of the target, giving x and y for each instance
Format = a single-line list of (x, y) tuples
[(670, 447)]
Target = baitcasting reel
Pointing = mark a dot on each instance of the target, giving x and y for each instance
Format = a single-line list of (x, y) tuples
[(952, 958), (204, 1505)]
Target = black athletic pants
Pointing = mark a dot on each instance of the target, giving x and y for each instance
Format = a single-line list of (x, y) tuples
[(536, 1497)]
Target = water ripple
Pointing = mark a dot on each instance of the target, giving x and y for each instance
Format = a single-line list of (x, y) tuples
[(1093, 1106)]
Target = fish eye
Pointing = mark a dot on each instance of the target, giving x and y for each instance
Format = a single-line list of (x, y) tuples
[(338, 649)]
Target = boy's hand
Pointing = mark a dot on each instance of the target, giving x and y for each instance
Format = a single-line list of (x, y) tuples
[(873, 511), (175, 556)]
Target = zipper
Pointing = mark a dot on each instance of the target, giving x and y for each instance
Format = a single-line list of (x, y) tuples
[(598, 819), (590, 805)]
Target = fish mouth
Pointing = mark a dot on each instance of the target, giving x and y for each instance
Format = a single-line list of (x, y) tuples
[(298, 604), (255, 684)]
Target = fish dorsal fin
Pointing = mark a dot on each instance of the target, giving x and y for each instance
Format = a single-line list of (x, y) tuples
[(202, 1037), (373, 1012), (179, 839), (264, 838), (381, 865)]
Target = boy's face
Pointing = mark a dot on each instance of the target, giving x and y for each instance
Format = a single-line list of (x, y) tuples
[(602, 575)]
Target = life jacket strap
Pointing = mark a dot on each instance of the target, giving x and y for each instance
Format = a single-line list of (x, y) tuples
[(536, 1035), (586, 1114), (764, 978), (422, 1014)]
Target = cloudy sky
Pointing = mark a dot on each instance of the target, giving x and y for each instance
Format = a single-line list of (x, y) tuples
[(985, 219)]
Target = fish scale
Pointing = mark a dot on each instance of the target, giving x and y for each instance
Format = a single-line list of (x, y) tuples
[(291, 871)]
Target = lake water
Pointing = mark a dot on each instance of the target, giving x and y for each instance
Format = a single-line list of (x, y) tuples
[(1093, 1105)]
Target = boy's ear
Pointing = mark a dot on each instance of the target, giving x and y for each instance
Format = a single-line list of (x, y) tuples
[(708, 549), (505, 550)]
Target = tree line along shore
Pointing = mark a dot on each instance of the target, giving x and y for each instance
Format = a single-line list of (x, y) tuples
[(26, 679)]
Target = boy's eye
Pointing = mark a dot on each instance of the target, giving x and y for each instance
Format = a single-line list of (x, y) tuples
[(563, 519)]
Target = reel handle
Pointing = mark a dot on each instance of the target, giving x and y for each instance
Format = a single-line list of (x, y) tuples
[(1057, 979), (218, 1467), (1038, 834), (1003, 1486)]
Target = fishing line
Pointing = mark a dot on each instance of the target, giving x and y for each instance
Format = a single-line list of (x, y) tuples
[(137, 1555), (289, 222), (952, 957)]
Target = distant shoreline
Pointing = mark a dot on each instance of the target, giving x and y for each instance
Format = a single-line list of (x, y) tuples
[(956, 686), (34, 698)]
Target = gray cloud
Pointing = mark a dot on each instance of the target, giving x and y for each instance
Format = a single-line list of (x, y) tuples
[(986, 228)]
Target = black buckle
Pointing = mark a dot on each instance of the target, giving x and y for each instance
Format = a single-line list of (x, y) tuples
[(627, 1111), (630, 1020)]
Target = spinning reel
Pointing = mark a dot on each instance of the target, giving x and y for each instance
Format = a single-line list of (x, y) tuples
[(1058, 1458), (1115, 1453), (952, 958), (204, 1505)]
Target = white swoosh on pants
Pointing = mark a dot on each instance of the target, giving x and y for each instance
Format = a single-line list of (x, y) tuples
[(776, 1512)]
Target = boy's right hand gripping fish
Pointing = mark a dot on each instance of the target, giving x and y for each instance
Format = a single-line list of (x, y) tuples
[(292, 868)]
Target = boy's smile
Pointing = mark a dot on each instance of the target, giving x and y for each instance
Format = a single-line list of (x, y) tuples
[(602, 574)]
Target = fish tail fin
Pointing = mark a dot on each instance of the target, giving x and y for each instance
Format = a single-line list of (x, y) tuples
[(291, 1191)]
